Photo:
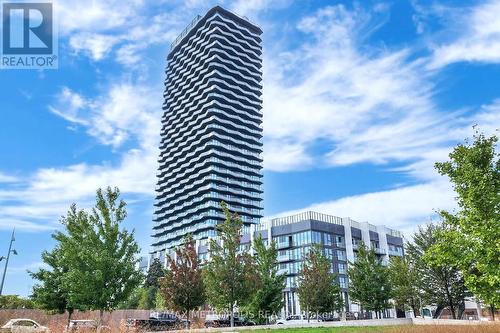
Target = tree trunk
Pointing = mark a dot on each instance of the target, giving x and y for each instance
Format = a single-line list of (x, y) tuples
[(449, 298), (452, 310), (101, 313), (436, 314), (232, 315), (187, 320), (492, 310), (413, 307), (307, 314), (461, 309), (70, 313)]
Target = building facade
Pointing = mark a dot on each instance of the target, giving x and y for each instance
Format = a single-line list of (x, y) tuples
[(211, 135), (339, 238)]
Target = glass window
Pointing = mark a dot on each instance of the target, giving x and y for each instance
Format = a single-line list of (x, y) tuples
[(328, 253), (343, 282), (341, 255), (316, 237), (328, 240), (291, 282), (342, 268)]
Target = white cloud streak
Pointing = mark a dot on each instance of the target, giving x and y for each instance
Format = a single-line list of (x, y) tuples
[(365, 104), (400, 208), (5, 178), (476, 37), (368, 105), (124, 113)]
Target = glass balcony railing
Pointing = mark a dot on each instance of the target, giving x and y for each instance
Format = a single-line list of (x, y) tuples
[(395, 253)]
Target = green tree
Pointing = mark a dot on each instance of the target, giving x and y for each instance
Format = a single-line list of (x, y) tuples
[(15, 302), (101, 258), (155, 273), (182, 287), (229, 276), (404, 283), (50, 293), (160, 301), (441, 283), (471, 237), (369, 284), (318, 289), (134, 300), (267, 298), (151, 287)]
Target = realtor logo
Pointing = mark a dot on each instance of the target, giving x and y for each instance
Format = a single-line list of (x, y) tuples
[(28, 39)]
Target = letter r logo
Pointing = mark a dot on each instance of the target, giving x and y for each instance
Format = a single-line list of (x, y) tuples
[(27, 28)]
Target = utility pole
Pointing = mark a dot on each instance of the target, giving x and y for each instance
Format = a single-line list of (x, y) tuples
[(12, 239)]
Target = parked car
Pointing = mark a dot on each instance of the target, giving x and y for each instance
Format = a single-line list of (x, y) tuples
[(158, 321), (298, 319), (23, 326), (225, 321)]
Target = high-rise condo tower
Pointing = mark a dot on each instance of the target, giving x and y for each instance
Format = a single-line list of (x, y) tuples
[(211, 134)]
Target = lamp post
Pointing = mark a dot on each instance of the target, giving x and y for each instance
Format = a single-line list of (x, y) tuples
[(11, 250)]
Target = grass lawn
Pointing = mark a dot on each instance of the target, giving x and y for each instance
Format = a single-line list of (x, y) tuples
[(369, 329), (389, 329)]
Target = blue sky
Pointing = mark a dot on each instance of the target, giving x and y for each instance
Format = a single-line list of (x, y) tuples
[(360, 99)]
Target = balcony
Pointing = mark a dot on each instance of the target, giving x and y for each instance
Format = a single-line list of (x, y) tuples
[(283, 245), (285, 257), (379, 250), (395, 253)]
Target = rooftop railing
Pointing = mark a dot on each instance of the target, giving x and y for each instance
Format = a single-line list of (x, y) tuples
[(309, 215), (185, 31)]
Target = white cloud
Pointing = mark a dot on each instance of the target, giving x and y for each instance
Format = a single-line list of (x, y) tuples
[(73, 104), (252, 8), (404, 208), (28, 267), (124, 111), (37, 203), (282, 156), (364, 104), (95, 15), (8, 222), (5, 178), (129, 27), (476, 37), (400, 208), (96, 46), (367, 105)]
